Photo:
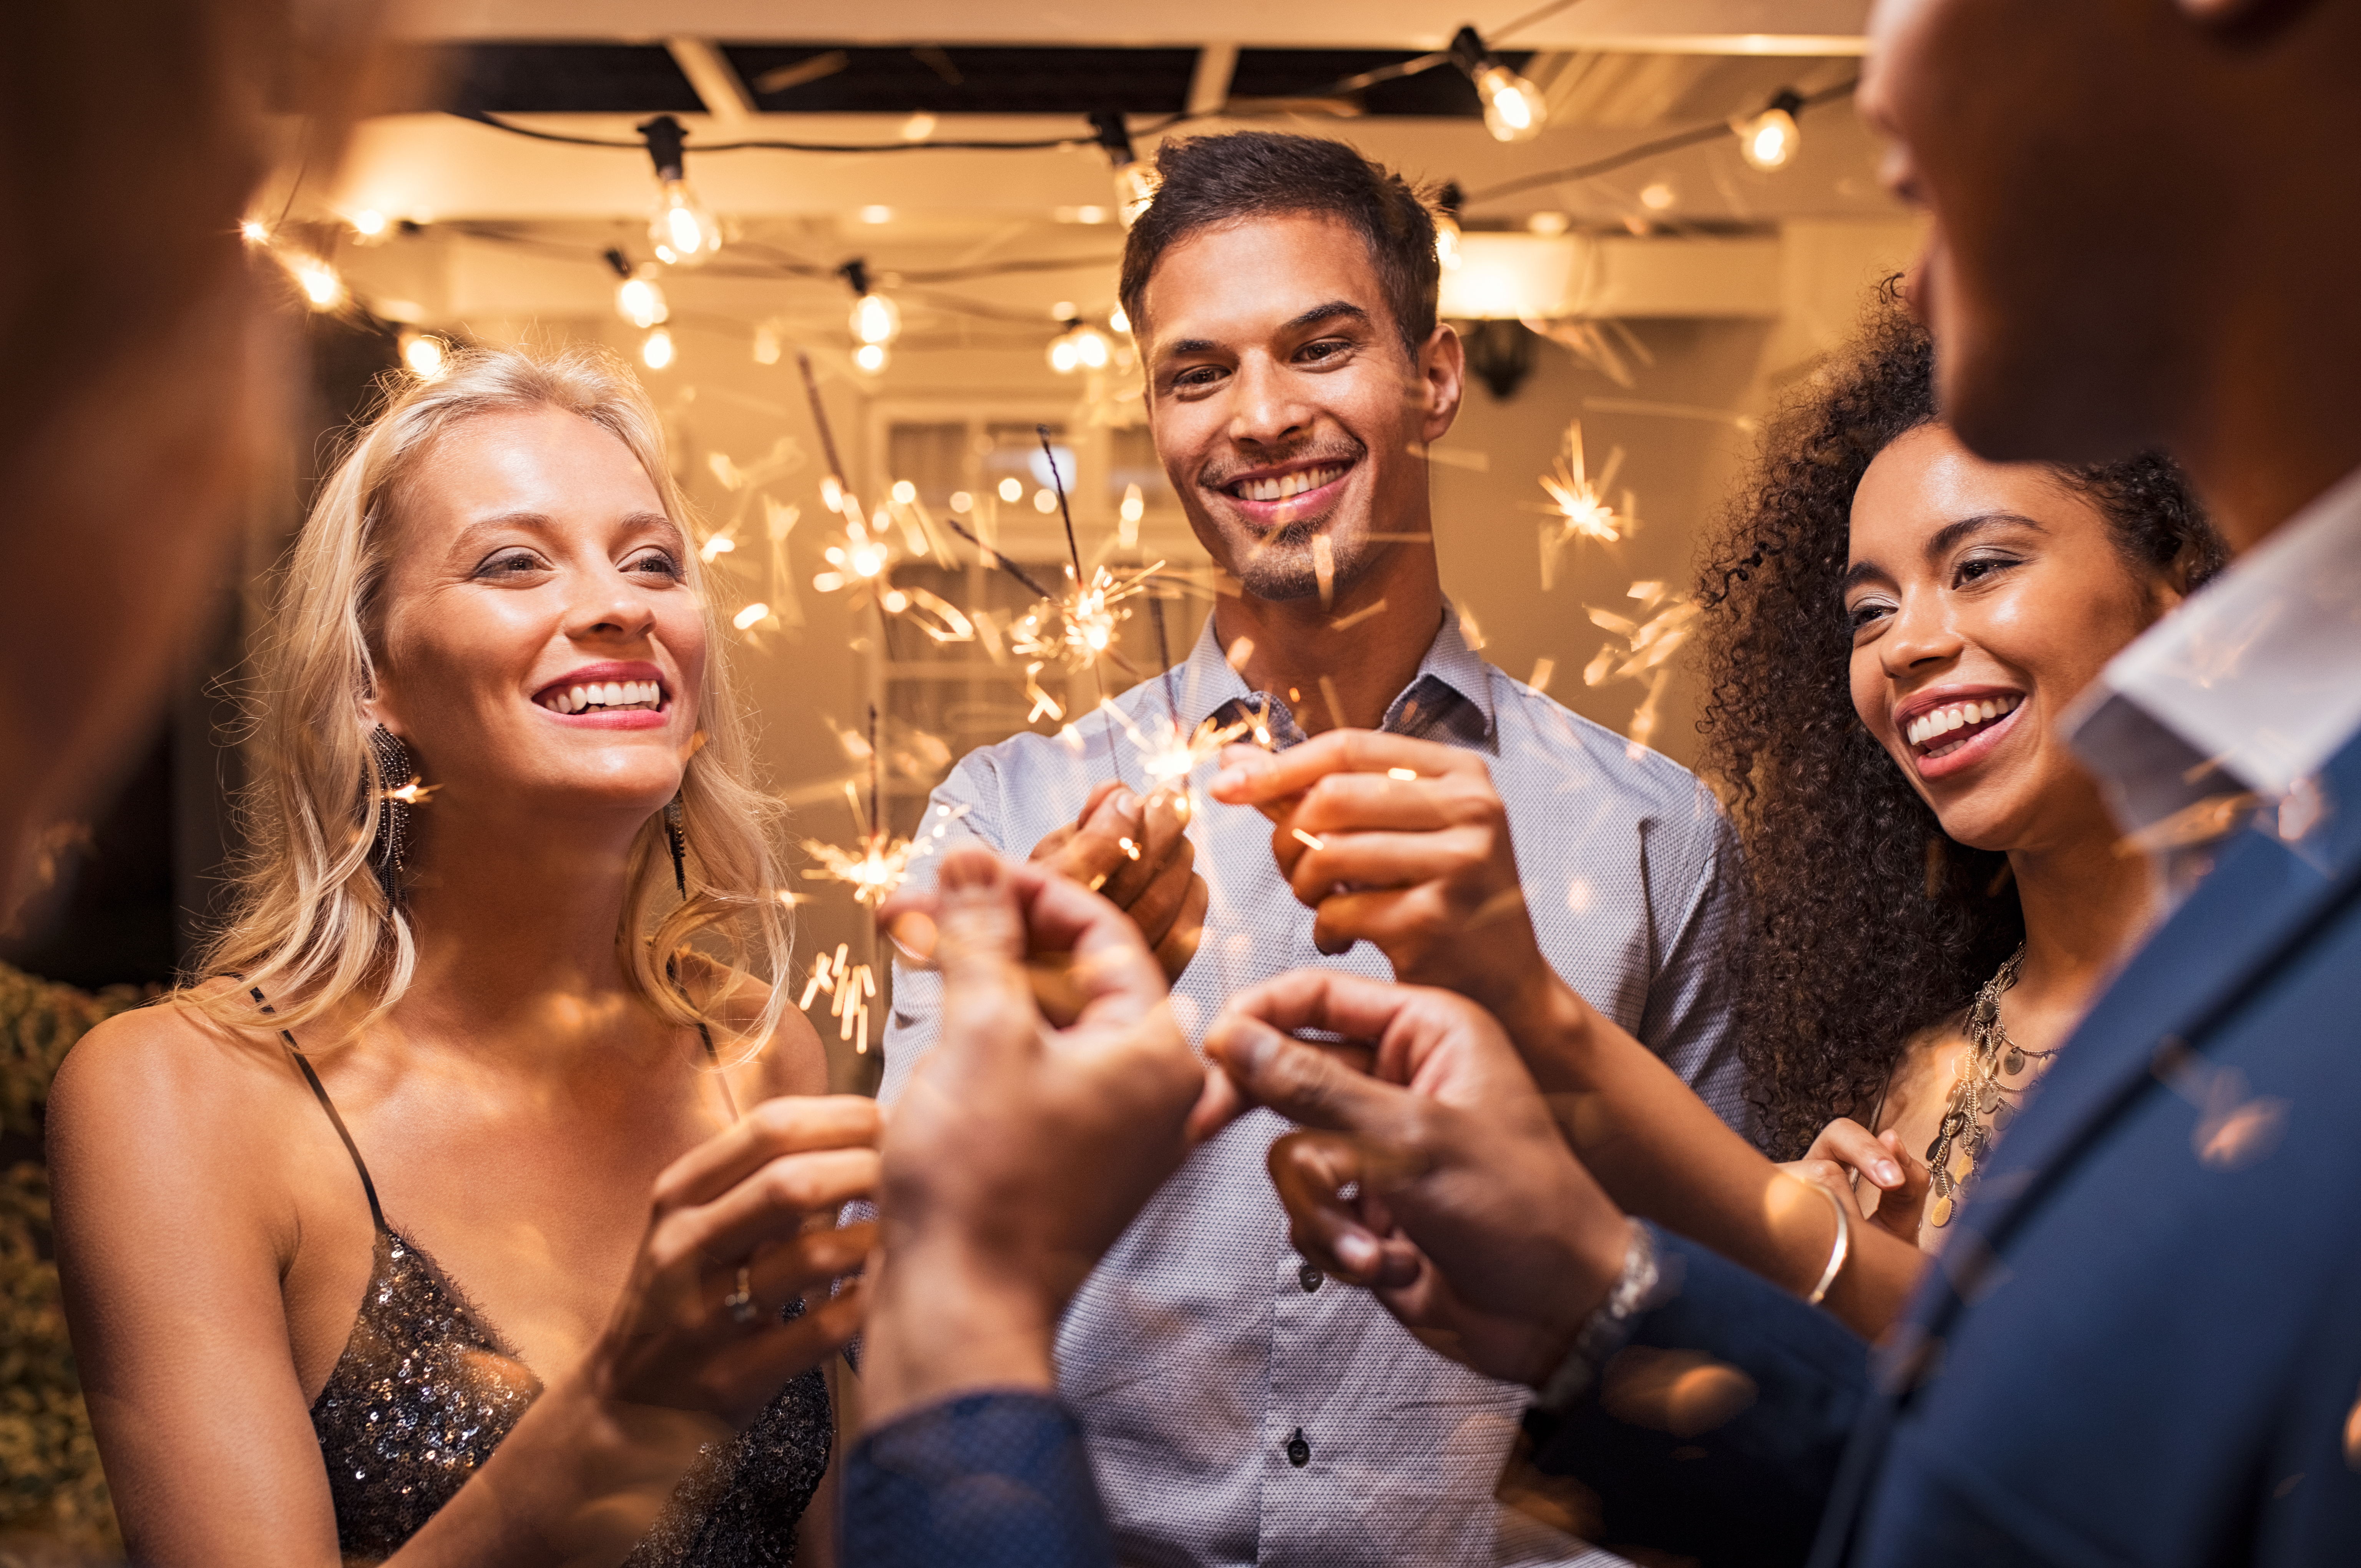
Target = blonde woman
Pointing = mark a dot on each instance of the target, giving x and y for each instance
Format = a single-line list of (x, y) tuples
[(463, 1214)]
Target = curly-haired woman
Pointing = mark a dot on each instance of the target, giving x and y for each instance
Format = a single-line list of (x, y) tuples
[(1892, 627), (428, 1228)]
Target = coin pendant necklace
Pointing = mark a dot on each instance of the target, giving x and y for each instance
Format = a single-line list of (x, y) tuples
[(1994, 1074)]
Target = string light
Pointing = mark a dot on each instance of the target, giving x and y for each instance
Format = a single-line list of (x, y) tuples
[(425, 353), (655, 349), (369, 223), (875, 321), (1118, 319), (1134, 182), (1769, 141), (682, 231), (766, 345), (1080, 347), (871, 358), (323, 289), (1012, 489), (1134, 508), (1513, 108), (254, 231)]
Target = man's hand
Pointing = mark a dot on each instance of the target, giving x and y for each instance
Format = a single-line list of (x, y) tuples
[(1138, 855), (1403, 844), (1020, 1150), (1467, 1217)]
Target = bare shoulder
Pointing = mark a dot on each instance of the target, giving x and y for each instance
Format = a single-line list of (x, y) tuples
[(164, 1071), (791, 1061)]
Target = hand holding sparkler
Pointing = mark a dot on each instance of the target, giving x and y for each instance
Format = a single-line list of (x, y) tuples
[(1136, 854), (1022, 1147), (1405, 844)]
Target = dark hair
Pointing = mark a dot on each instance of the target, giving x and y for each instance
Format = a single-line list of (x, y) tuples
[(1214, 182), (1868, 924)]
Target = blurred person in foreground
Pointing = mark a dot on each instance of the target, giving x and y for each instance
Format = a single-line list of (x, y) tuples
[(1283, 290), (2137, 1349), (463, 1212)]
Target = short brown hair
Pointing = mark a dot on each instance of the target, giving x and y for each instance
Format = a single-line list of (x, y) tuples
[(1214, 181)]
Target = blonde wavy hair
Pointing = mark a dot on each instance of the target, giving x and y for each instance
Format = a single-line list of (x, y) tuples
[(309, 928)]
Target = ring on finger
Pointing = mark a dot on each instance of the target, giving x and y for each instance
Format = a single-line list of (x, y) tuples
[(744, 1308)]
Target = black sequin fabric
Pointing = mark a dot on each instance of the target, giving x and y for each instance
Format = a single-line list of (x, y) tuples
[(425, 1389)]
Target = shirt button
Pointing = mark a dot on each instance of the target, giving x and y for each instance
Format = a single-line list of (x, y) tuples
[(1309, 1277), (1299, 1452)]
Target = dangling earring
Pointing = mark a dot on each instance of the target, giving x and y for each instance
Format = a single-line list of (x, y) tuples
[(677, 836), (395, 774)]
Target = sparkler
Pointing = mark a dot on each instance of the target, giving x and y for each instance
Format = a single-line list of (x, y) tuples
[(879, 864), (1647, 655), (1577, 506), (849, 987)]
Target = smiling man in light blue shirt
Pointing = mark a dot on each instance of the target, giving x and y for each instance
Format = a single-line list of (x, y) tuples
[(1283, 293)]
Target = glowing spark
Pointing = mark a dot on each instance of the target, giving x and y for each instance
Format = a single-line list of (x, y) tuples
[(1647, 653), (414, 792), (1577, 504), (1346, 622), (873, 874), (1404, 774), (1078, 627), (1311, 838), (849, 986), (746, 619), (1544, 668)]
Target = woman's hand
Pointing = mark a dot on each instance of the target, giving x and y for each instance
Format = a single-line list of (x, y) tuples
[(1846, 1151), (751, 1209)]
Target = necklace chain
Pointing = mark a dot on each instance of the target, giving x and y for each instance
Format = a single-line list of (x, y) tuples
[(1981, 1104)]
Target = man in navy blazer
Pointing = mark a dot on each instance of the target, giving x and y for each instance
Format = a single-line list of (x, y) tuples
[(2145, 1344)]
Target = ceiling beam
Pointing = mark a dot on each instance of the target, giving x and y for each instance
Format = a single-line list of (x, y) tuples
[(1209, 87), (724, 95)]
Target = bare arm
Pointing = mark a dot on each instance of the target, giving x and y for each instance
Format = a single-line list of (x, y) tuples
[(1417, 864), (190, 1282)]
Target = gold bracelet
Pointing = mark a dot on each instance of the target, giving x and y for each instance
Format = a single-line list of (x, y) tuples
[(1838, 1252)]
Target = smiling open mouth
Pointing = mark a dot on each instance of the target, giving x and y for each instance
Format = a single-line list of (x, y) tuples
[(1946, 728), (604, 696), (1286, 487)]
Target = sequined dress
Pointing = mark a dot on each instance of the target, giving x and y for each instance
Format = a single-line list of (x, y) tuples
[(427, 1388)]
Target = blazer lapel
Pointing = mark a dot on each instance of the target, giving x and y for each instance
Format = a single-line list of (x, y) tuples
[(2260, 896)]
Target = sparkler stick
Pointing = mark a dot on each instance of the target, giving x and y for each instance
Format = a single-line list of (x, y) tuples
[(1074, 550), (1011, 567), (819, 418)]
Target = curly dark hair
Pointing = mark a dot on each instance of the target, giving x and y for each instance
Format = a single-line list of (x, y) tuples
[(1868, 924)]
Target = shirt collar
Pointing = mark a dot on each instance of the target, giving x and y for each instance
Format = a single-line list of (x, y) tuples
[(2246, 690), (1450, 697)]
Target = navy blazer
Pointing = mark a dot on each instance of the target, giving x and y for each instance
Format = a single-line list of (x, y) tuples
[(2144, 1345)]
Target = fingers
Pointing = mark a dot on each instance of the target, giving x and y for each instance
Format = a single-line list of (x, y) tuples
[(1376, 860), (980, 943), (1351, 1006), (1309, 1170), (779, 1273), (773, 1128), (1159, 903), (1095, 853), (1312, 1086), (1158, 834), (1848, 1143), (1113, 976), (1252, 777), (1180, 944), (772, 1205)]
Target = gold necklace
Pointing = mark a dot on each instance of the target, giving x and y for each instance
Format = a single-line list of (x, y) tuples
[(1982, 1101)]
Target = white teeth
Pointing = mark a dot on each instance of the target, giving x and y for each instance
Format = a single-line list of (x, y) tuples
[(606, 694), (578, 700), (1286, 485), (1941, 721)]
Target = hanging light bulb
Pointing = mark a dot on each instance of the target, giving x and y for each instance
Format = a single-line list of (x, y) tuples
[(639, 298), (1134, 182), (425, 353), (871, 358), (876, 321), (655, 349), (1770, 139), (1080, 347), (254, 231), (682, 229), (1513, 107), (323, 289), (766, 345), (1446, 226)]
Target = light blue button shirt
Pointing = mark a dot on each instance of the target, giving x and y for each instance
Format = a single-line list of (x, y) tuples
[(1203, 1360)]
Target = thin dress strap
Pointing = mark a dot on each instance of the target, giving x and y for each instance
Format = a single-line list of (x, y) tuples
[(672, 974), (320, 1092)]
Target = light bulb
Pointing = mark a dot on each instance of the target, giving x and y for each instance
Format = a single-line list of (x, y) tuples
[(323, 289), (1135, 191), (1044, 501), (1658, 197), (1446, 242), (682, 231), (1080, 347), (962, 501), (904, 492), (871, 358), (1012, 489), (1134, 508), (1513, 109), (875, 320), (425, 353), (1120, 321), (655, 349), (1062, 357), (641, 301), (254, 231), (368, 222), (766, 345), (1769, 140)]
